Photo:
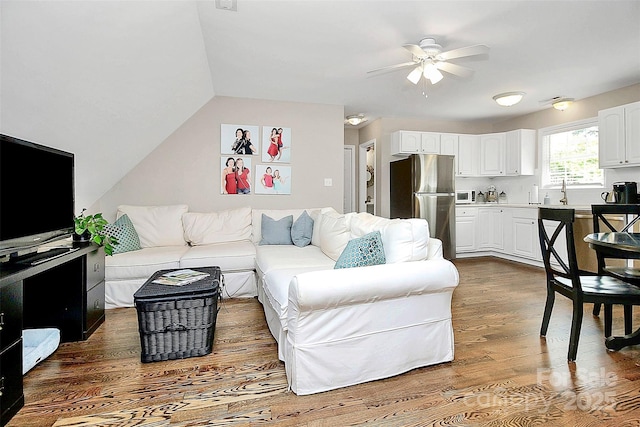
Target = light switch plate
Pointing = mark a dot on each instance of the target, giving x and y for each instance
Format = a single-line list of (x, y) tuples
[(328, 182), (227, 4)]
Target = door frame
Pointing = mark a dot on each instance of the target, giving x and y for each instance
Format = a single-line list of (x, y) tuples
[(352, 172), (362, 174)]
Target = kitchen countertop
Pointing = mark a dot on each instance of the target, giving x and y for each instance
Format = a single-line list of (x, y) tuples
[(526, 205)]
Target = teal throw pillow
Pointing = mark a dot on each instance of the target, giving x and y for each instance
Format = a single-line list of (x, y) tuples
[(363, 251), (276, 232), (125, 232), (302, 229)]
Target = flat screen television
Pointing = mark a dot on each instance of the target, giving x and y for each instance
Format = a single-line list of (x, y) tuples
[(36, 194)]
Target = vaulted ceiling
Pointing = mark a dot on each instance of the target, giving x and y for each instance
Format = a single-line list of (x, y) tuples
[(110, 80)]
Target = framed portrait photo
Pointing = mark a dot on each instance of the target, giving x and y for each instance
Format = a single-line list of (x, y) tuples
[(236, 177), (276, 147), (273, 179), (240, 140)]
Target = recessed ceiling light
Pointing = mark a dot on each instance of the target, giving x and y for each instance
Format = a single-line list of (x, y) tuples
[(508, 99)]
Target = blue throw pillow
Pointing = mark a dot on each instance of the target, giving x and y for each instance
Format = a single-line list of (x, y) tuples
[(363, 251), (125, 232), (276, 232), (302, 229)]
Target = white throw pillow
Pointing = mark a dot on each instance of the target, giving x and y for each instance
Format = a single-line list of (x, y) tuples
[(334, 234), (156, 225), (231, 225), (403, 239)]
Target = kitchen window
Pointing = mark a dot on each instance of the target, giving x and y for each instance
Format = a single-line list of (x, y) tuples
[(570, 153)]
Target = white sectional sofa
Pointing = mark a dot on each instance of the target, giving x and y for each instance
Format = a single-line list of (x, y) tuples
[(334, 327)]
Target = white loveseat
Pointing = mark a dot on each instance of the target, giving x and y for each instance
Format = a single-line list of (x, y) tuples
[(334, 327)]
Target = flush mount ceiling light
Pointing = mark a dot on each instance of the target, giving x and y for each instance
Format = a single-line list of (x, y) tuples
[(562, 104), (509, 98), (355, 119)]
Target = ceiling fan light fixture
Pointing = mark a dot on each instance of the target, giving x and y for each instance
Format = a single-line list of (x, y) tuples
[(508, 99), (355, 119), (562, 103), (414, 76), (432, 73)]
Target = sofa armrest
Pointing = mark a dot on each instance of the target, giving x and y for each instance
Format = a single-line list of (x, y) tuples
[(348, 286)]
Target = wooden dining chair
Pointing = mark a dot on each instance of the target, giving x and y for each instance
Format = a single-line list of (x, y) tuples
[(566, 279)]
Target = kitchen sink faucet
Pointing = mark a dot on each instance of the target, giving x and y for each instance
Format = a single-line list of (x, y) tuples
[(564, 200)]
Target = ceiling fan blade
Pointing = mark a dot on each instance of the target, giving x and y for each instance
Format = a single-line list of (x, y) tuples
[(392, 67), (455, 69), (478, 49), (415, 50)]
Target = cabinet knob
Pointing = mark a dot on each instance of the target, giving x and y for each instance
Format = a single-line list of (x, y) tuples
[(1, 386), (1, 321), (96, 304), (96, 267)]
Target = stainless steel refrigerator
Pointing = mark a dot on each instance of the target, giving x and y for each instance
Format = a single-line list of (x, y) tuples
[(423, 186)]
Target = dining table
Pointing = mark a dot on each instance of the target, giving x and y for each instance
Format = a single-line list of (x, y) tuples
[(621, 245)]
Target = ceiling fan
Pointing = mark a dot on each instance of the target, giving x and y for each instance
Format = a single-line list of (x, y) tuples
[(428, 59)]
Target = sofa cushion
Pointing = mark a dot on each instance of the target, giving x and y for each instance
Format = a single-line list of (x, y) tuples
[(362, 251), (276, 232), (143, 263), (273, 257), (334, 234), (230, 256), (403, 239), (302, 230), (217, 227), (157, 225), (123, 230)]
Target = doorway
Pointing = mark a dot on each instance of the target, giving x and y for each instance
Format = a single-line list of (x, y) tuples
[(367, 177)]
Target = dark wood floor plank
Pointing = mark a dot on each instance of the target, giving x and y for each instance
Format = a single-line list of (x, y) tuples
[(503, 374)]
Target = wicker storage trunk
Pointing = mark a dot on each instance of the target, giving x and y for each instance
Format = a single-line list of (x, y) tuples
[(177, 322)]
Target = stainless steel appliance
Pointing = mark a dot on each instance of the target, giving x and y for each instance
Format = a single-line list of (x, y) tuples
[(492, 194), (423, 186)]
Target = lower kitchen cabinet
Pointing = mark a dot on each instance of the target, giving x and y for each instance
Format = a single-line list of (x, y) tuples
[(466, 221), (524, 230)]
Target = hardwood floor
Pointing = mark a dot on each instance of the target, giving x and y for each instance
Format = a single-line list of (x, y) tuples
[(503, 374)]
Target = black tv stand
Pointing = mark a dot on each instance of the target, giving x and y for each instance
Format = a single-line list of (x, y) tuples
[(40, 257), (65, 291)]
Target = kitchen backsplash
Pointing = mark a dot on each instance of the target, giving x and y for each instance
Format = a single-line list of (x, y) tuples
[(518, 188)]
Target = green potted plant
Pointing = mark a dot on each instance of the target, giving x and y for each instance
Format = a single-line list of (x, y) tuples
[(91, 228)]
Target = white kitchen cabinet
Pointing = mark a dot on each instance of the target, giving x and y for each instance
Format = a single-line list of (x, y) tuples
[(410, 142), (468, 154), (492, 154), (449, 144), (466, 220), (619, 136), (490, 228), (520, 152), (524, 232)]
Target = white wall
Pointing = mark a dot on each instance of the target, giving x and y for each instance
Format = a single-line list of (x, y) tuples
[(185, 168)]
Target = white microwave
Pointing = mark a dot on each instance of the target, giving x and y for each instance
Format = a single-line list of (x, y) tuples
[(465, 196)]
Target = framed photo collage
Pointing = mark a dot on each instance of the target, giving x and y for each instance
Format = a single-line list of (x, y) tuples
[(254, 162)]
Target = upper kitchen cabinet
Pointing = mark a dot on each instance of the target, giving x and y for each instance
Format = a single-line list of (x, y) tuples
[(468, 155), (449, 144), (619, 135), (492, 154), (409, 142), (520, 152)]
